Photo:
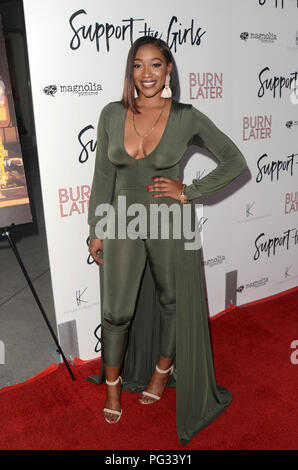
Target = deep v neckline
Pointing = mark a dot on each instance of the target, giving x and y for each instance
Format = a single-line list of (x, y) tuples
[(160, 140)]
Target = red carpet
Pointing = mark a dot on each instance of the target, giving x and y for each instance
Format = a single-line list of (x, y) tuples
[(252, 357)]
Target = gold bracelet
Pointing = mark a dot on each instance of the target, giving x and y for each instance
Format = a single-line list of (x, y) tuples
[(183, 197)]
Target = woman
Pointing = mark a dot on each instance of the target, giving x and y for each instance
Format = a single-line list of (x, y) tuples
[(152, 341)]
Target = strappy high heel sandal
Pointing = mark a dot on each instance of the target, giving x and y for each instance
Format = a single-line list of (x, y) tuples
[(114, 412), (152, 395)]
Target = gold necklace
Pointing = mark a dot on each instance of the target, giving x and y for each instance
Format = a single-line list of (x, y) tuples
[(147, 133)]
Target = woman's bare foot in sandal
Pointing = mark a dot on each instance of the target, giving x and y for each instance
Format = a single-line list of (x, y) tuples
[(158, 382), (112, 408)]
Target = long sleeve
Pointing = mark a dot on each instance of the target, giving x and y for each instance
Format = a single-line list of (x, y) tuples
[(104, 175), (231, 161)]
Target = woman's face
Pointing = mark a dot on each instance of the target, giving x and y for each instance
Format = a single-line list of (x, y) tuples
[(150, 70)]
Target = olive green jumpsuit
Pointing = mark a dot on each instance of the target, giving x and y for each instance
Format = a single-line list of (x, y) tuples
[(152, 289)]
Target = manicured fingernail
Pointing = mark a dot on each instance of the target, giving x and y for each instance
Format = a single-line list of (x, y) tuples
[(154, 178)]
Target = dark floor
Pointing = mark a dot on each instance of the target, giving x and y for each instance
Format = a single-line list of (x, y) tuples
[(28, 344)]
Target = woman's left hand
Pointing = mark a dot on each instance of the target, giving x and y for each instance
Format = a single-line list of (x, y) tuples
[(166, 187)]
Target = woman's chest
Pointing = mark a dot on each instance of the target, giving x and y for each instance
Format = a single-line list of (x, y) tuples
[(167, 152)]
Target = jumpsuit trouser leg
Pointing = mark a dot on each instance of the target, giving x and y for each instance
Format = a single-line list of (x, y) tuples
[(124, 261)]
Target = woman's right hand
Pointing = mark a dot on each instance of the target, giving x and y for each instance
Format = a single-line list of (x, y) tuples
[(95, 245)]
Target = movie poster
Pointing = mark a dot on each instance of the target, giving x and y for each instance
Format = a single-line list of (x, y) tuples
[(14, 201)]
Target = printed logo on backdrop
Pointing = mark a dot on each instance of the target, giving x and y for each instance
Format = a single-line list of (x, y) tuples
[(251, 213), (276, 3), (268, 246), (79, 296), (102, 34), (294, 42), (262, 37), (50, 90), (291, 124), (287, 269), (97, 334), (97, 331), (73, 200), (260, 127), (80, 300), (201, 222), (217, 260), (277, 85), (274, 169), (256, 127), (82, 304), (205, 85), (294, 94), (291, 202), (255, 284), (86, 144), (90, 259), (287, 275), (87, 89)]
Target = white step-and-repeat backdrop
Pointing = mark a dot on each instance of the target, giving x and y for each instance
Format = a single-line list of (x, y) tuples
[(237, 63)]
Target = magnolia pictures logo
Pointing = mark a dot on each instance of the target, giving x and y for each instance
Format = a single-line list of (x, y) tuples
[(262, 37), (50, 90), (258, 283), (87, 89), (219, 259), (290, 124)]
